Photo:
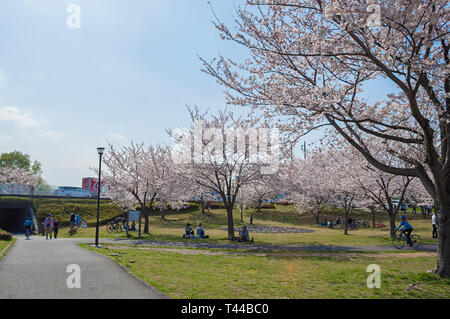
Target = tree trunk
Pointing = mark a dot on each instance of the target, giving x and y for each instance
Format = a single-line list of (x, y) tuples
[(229, 209), (372, 212), (316, 213), (242, 212), (203, 207), (346, 221), (392, 223), (443, 257), (146, 222), (259, 205)]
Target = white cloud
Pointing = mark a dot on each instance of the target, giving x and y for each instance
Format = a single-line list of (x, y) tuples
[(116, 136), (20, 118), (26, 124)]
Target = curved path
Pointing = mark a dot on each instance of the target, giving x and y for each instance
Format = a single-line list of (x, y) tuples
[(36, 268)]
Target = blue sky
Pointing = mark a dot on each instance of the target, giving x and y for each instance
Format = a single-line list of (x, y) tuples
[(126, 74)]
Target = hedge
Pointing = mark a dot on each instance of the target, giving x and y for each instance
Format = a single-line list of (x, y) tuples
[(61, 208), (4, 235), (87, 211)]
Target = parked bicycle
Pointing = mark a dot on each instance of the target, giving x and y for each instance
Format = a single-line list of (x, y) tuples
[(363, 223), (356, 226), (115, 226), (380, 226), (400, 240)]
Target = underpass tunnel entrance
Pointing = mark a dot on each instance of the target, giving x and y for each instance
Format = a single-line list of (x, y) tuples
[(13, 215)]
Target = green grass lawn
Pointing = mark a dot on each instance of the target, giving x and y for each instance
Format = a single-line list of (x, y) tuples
[(173, 227), (4, 244), (281, 276)]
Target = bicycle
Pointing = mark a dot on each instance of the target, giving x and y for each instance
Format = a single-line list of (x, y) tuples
[(115, 226), (356, 226), (364, 224), (28, 233), (400, 240)]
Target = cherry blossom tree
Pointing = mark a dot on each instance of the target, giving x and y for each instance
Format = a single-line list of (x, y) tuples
[(262, 189), (307, 183), (201, 193), (140, 171), (377, 187), (227, 155), (311, 60), (342, 170), (10, 175)]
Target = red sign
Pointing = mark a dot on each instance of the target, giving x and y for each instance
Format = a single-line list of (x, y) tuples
[(91, 184)]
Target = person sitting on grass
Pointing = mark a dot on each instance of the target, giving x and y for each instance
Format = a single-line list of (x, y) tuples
[(201, 231), (406, 229), (188, 232), (243, 234)]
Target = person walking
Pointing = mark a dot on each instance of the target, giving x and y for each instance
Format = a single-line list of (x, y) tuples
[(78, 220), (434, 223), (251, 219), (55, 228), (49, 223)]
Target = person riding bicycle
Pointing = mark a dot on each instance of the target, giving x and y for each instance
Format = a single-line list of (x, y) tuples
[(406, 229), (28, 225)]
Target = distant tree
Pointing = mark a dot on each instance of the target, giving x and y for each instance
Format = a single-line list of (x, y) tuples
[(145, 173), (18, 160), (225, 160), (10, 175), (17, 168), (307, 183)]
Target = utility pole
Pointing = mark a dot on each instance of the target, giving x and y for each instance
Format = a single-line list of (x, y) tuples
[(303, 148)]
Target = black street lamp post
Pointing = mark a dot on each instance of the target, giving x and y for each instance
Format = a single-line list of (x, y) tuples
[(100, 151)]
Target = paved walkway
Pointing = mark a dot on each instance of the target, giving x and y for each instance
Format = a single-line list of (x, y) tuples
[(196, 243), (36, 268)]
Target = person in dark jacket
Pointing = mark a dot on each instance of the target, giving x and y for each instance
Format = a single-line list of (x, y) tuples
[(55, 228), (72, 220)]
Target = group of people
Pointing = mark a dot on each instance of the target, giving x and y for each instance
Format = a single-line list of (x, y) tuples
[(131, 227), (76, 221), (200, 232), (329, 223), (51, 227), (189, 232)]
